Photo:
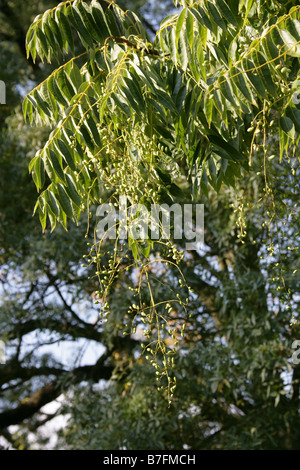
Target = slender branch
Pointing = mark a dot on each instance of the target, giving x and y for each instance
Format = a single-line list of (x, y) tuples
[(53, 282)]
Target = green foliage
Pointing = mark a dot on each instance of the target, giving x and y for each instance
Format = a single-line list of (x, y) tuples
[(208, 65), (206, 112), (138, 117)]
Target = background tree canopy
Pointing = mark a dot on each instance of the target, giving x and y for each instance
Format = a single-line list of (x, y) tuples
[(186, 348)]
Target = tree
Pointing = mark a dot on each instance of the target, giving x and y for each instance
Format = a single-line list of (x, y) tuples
[(171, 120), (39, 280), (34, 310)]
